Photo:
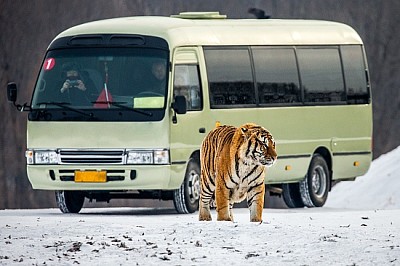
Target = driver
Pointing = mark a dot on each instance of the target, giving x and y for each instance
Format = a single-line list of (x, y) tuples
[(158, 82)]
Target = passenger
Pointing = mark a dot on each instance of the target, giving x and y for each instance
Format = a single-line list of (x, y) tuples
[(78, 90)]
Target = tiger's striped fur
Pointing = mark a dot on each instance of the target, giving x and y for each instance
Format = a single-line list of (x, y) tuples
[(233, 162)]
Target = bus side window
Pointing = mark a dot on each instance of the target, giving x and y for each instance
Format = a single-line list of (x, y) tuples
[(277, 75), (230, 77), (321, 75), (355, 74), (187, 83)]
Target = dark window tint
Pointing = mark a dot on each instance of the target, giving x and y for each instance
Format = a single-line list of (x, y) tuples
[(355, 74), (321, 75), (110, 83), (276, 75), (229, 77)]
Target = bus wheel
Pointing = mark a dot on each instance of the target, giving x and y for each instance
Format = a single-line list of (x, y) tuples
[(315, 187), (186, 198), (70, 201), (291, 195)]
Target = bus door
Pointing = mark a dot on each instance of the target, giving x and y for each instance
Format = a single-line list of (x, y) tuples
[(187, 130)]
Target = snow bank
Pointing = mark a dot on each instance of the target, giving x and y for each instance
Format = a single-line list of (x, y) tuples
[(379, 188)]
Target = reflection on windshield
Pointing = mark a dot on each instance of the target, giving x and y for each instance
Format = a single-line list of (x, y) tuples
[(122, 79)]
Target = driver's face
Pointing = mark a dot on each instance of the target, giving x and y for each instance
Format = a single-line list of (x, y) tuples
[(158, 70)]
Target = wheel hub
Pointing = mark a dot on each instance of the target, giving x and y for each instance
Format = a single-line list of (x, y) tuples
[(194, 186), (318, 181)]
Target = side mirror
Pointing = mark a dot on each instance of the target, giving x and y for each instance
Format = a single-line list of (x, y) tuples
[(12, 92), (179, 104)]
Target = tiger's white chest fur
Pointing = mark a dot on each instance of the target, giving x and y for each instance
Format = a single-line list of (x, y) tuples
[(244, 174)]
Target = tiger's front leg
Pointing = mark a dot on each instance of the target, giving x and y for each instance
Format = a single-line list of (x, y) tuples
[(230, 211), (204, 209), (222, 200), (255, 201)]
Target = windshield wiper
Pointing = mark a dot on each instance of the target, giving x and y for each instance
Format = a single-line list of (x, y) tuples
[(64, 105), (120, 105)]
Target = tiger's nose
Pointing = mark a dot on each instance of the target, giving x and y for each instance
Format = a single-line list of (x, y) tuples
[(271, 162)]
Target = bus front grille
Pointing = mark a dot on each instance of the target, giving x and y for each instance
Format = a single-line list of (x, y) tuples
[(92, 156)]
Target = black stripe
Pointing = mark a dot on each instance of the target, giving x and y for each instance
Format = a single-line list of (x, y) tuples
[(294, 156), (225, 183), (250, 201), (237, 164), (209, 155), (248, 148), (236, 183), (256, 177), (207, 195), (206, 185), (211, 180), (179, 162), (352, 153), (251, 172), (256, 186)]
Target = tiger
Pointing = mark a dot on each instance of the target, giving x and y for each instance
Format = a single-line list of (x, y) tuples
[(233, 162)]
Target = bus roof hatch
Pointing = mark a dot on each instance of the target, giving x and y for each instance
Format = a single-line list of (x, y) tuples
[(200, 15)]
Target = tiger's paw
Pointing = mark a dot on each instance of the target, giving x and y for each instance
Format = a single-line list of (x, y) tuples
[(256, 220), (205, 217), (224, 218)]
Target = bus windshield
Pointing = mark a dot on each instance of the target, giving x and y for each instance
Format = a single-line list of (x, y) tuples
[(106, 82)]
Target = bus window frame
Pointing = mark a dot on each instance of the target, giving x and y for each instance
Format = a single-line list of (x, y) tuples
[(302, 102)]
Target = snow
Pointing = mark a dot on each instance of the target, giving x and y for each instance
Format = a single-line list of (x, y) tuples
[(121, 236), (360, 225), (379, 188)]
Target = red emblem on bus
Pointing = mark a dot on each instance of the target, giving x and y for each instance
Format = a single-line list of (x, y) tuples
[(49, 64)]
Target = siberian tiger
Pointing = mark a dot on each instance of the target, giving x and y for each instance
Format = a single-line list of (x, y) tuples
[(233, 162)]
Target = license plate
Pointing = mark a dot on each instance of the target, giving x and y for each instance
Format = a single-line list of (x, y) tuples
[(91, 176)]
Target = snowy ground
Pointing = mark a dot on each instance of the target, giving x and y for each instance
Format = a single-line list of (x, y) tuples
[(360, 225), (378, 189), (122, 236)]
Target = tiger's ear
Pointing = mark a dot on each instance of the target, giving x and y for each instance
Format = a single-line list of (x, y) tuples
[(245, 132)]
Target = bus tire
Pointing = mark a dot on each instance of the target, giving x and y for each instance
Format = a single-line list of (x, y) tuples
[(315, 186), (291, 195), (70, 201), (186, 198)]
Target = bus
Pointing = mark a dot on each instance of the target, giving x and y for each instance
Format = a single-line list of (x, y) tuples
[(121, 106)]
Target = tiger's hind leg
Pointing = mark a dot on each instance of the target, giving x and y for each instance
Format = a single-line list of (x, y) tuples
[(206, 194), (255, 201)]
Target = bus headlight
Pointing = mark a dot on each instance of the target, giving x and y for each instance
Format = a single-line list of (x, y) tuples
[(147, 157), (41, 157)]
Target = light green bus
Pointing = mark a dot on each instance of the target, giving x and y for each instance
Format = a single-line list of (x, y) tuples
[(121, 106)]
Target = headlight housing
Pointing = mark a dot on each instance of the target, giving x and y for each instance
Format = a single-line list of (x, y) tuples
[(41, 157), (129, 156), (147, 157)]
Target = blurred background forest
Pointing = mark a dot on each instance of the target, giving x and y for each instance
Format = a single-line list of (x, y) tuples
[(27, 27)]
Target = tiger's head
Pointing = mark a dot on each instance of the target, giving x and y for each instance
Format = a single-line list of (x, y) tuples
[(259, 145)]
